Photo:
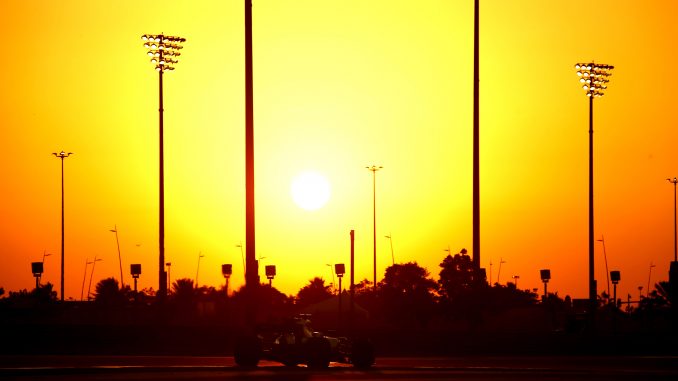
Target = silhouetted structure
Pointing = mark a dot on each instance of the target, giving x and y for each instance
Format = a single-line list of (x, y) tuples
[(162, 49), (62, 155), (374, 170)]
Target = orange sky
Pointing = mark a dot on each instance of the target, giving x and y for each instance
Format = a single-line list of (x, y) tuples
[(339, 85)]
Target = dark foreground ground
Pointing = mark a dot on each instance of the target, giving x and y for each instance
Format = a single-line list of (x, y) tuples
[(476, 368)]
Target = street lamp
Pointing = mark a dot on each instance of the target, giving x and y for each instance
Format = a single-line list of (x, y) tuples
[(545, 275), (169, 275), (674, 181), (197, 272), (607, 272), (616, 277), (36, 269), (374, 170), (91, 275), (390, 238), (84, 276), (649, 276), (135, 270), (44, 254), (501, 260), (163, 51), (62, 155), (117, 241), (242, 255), (331, 272), (594, 79), (340, 269), (270, 274), (226, 271)]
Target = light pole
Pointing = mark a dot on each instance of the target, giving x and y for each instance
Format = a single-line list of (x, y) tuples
[(674, 181), (117, 241), (545, 275), (62, 155), (374, 170), (197, 272), (91, 275), (270, 274), (616, 277), (331, 273), (649, 276), (163, 51), (44, 254), (242, 255), (501, 261), (515, 280), (390, 238), (340, 269), (84, 276), (169, 276), (135, 270), (226, 271), (594, 79), (607, 271)]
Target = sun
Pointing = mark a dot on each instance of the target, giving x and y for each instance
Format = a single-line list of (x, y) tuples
[(310, 190)]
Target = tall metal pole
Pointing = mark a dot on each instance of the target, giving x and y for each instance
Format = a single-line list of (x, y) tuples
[(374, 170), (117, 241), (675, 228), (607, 270), (162, 290), (592, 281), (62, 155), (476, 138), (252, 278)]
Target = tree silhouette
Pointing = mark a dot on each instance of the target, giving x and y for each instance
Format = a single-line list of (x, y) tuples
[(456, 276), (183, 290), (407, 293), (315, 291), (109, 293)]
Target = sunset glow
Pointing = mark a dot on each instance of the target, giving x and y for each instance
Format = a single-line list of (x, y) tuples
[(338, 85)]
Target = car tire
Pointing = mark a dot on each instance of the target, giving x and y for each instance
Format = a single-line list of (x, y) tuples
[(362, 354), (247, 352), (318, 352)]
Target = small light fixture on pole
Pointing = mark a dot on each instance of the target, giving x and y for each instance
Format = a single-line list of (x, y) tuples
[(390, 239), (84, 277), (135, 269), (545, 277), (242, 255), (374, 170), (515, 280), (91, 275), (501, 261), (62, 155), (616, 277), (163, 51), (332, 274), (117, 241), (594, 80), (607, 273), (36, 269), (226, 271), (169, 276), (197, 272), (270, 274), (340, 269)]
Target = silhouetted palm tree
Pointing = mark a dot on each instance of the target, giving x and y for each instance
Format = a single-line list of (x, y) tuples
[(109, 293), (183, 290), (315, 291)]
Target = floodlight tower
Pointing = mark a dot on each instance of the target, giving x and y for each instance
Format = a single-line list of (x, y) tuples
[(594, 80), (163, 51), (374, 169)]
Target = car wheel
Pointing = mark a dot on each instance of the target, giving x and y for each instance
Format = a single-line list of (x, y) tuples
[(247, 351), (318, 352), (362, 353)]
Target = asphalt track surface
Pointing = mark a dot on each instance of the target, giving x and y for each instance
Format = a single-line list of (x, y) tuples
[(475, 368)]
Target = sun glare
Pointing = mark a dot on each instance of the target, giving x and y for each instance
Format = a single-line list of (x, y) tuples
[(310, 190)]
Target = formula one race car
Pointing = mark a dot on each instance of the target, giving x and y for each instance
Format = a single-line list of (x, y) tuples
[(293, 342)]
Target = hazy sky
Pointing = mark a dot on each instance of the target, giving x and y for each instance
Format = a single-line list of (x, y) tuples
[(339, 85)]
